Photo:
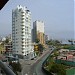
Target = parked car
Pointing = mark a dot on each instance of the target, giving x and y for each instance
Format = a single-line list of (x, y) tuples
[(5, 61), (12, 59)]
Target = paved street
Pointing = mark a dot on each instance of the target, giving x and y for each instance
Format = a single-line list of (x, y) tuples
[(30, 65), (33, 67), (37, 70)]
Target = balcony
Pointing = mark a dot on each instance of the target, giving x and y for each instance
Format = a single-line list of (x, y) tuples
[(22, 22), (22, 18), (22, 15)]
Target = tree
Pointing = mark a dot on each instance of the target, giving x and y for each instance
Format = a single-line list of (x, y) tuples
[(59, 69), (37, 40), (57, 42), (49, 42), (16, 67), (71, 41), (40, 47), (53, 42), (7, 41)]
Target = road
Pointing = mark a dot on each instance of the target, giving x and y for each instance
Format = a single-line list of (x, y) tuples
[(36, 69), (33, 67)]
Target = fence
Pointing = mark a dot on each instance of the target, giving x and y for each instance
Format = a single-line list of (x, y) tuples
[(68, 63), (43, 69)]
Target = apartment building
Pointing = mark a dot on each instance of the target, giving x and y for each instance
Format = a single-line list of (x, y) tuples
[(21, 31), (38, 31)]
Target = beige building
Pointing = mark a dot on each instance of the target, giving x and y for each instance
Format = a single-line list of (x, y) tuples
[(38, 31), (40, 36)]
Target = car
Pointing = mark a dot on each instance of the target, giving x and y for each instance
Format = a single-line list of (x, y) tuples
[(32, 58), (5, 61), (13, 59)]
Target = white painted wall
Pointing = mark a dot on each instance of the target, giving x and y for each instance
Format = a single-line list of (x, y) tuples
[(19, 15)]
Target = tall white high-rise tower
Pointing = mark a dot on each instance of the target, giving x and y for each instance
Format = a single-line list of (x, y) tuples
[(21, 31)]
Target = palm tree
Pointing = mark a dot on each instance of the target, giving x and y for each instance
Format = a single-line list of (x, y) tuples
[(40, 47)]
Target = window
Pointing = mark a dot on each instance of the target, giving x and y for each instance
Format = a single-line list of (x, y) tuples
[(22, 15), (13, 32), (27, 29), (22, 52), (22, 12), (22, 45), (22, 22), (13, 42), (13, 27), (22, 32), (22, 35), (16, 29), (27, 45), (13, 21), (26, 17), (22, 38), (25, 33), (22, 18), (26, 20), (16, 39), (16, 32), (22, 25), (19, 10), (22, 48), (22, 28), (22, 42), (16, 42)]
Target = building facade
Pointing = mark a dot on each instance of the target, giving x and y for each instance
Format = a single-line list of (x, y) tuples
[(38, 31), (8, 48), (46, 38), (21, 31)]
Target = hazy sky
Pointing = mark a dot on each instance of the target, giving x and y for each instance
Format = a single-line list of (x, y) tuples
[(58, 16)]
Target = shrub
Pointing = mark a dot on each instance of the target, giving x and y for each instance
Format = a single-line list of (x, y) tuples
[(16, 67)]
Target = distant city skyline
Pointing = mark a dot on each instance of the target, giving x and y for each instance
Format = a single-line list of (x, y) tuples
[(57, 15)]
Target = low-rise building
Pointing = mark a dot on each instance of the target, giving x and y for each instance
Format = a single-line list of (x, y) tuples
[(63, 50), (2, 50), (8, 48)]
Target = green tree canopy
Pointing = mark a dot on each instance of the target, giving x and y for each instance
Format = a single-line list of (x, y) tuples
[(37, 40), (40, 47), (7, 41), (53, 42), (59, 69)]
